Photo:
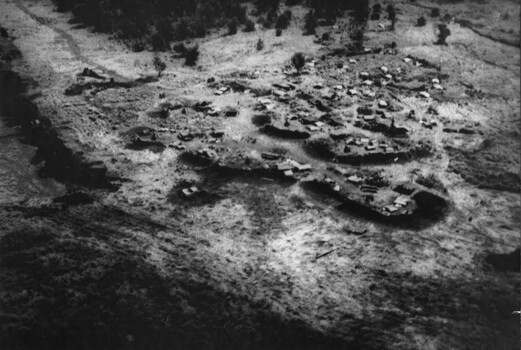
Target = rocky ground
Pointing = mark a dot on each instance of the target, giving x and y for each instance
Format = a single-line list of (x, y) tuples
[(109, 252)]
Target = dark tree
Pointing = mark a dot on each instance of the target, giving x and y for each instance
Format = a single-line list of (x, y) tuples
[(310, 24), (271, 18), (232, 26), (157, 41), (260, 44), (375, 13), (209, 13), (159, 65), (138, 46), (443, 33), (182, 29), (298, 60), (180, 48), (249, 26), (361, 10), (282, 21), (267, 5), (192, 55), (356, 33), (435, 12), (391, 14), (171, 19), (198, 28), (421, 22), (164, 28)]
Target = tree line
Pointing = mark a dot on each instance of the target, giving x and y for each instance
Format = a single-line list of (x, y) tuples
[(156, 23)]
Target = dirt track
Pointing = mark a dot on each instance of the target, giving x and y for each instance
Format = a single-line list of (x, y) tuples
[(246, 267)]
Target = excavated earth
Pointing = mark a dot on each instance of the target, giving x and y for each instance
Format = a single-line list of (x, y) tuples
[(369, 202)]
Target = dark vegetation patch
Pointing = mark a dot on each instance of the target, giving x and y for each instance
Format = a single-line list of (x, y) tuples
[(323, 148), (431, 181), (8, 51), (431, 207), (492, 166), (443, 308), (327, 149), (194, 159), (259, 197), (285, 132), (90, 292), (141, 138), (157, 23), (61, 162), (74, 198), (505, 262), (261, 119), (60, 293), (97, 86), (193, 194)]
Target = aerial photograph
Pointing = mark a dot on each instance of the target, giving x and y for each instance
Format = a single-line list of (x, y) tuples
[(260, 174)]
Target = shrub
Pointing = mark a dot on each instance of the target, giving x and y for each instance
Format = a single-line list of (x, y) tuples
[(298, 60), (356, 34), (310, 24), (421, 22), (182, 29), (250, 26), (278, 32), (288, 14), (431, 181), (210, 12), (232, 26), (326, 36), (197, 28), (435, 12), (377, 179), (180, 48), (236, 11), (267, 5), (159, 65), (282, 22), (157, 42), (137, 46), (164, 28), (375, 13), (128, 29), (391, 14), (24, 238), (192, 55), (270, 19), (260, 44), (361, 10), (443, 33)]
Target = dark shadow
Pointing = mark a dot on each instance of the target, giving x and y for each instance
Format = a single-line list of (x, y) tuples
[(505, 262), (106, 296), (431, 208)]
